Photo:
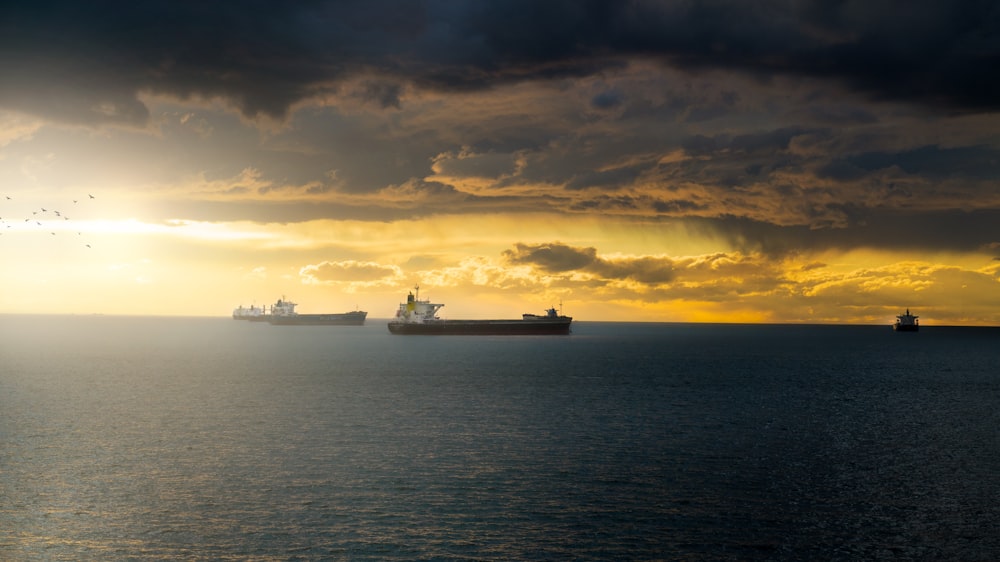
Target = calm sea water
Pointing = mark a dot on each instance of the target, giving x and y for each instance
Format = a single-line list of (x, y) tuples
[(211, 439)]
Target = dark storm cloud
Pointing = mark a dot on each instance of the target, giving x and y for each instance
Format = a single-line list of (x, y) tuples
[(754, 143), (86, 61), (608, 179), (554, 258), (607, 100), (734, 161), (972, 162), (561, 258), (946, 230), (953, 230), (646, 270)]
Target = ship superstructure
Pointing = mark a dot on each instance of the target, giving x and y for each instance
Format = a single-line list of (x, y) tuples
[(248, 313), (906, 322)]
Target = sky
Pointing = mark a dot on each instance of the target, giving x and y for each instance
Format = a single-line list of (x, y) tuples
[(625, 160)]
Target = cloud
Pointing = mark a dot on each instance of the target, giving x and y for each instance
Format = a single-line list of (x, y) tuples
[(766, 143), (607, 100), (257, 273), (14, 127), (557, 258), (69, 62), (468, 164), (348, 271), (647, 270), (552, 258), (608, 179), (775, 127), (934, 162)]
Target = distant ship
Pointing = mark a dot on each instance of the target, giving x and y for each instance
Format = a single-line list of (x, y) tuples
[(283, 314), (252, 313), (906, 323), (419, 317)]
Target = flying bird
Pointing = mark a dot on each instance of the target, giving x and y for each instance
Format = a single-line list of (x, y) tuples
[(91, 196)]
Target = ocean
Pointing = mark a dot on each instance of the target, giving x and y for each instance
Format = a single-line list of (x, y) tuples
[(137, 438)]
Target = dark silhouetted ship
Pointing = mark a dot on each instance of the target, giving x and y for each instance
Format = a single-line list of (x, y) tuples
[(419, 317), (906, 323)]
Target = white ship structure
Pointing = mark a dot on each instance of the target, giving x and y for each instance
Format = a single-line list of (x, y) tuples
[(248, 313)]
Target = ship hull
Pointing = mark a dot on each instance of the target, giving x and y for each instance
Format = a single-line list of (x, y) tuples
[(343, 319), (905, 328), (553, 327)]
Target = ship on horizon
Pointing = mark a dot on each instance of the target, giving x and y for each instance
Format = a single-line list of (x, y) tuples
[(419, 317), (282, 313), (906, 323), (248, 313)]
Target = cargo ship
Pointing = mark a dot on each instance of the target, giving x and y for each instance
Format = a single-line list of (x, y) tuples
[(283, 314), (906, 323), (419, 317)]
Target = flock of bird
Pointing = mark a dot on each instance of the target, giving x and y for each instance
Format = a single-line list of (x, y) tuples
[(38, 215)]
